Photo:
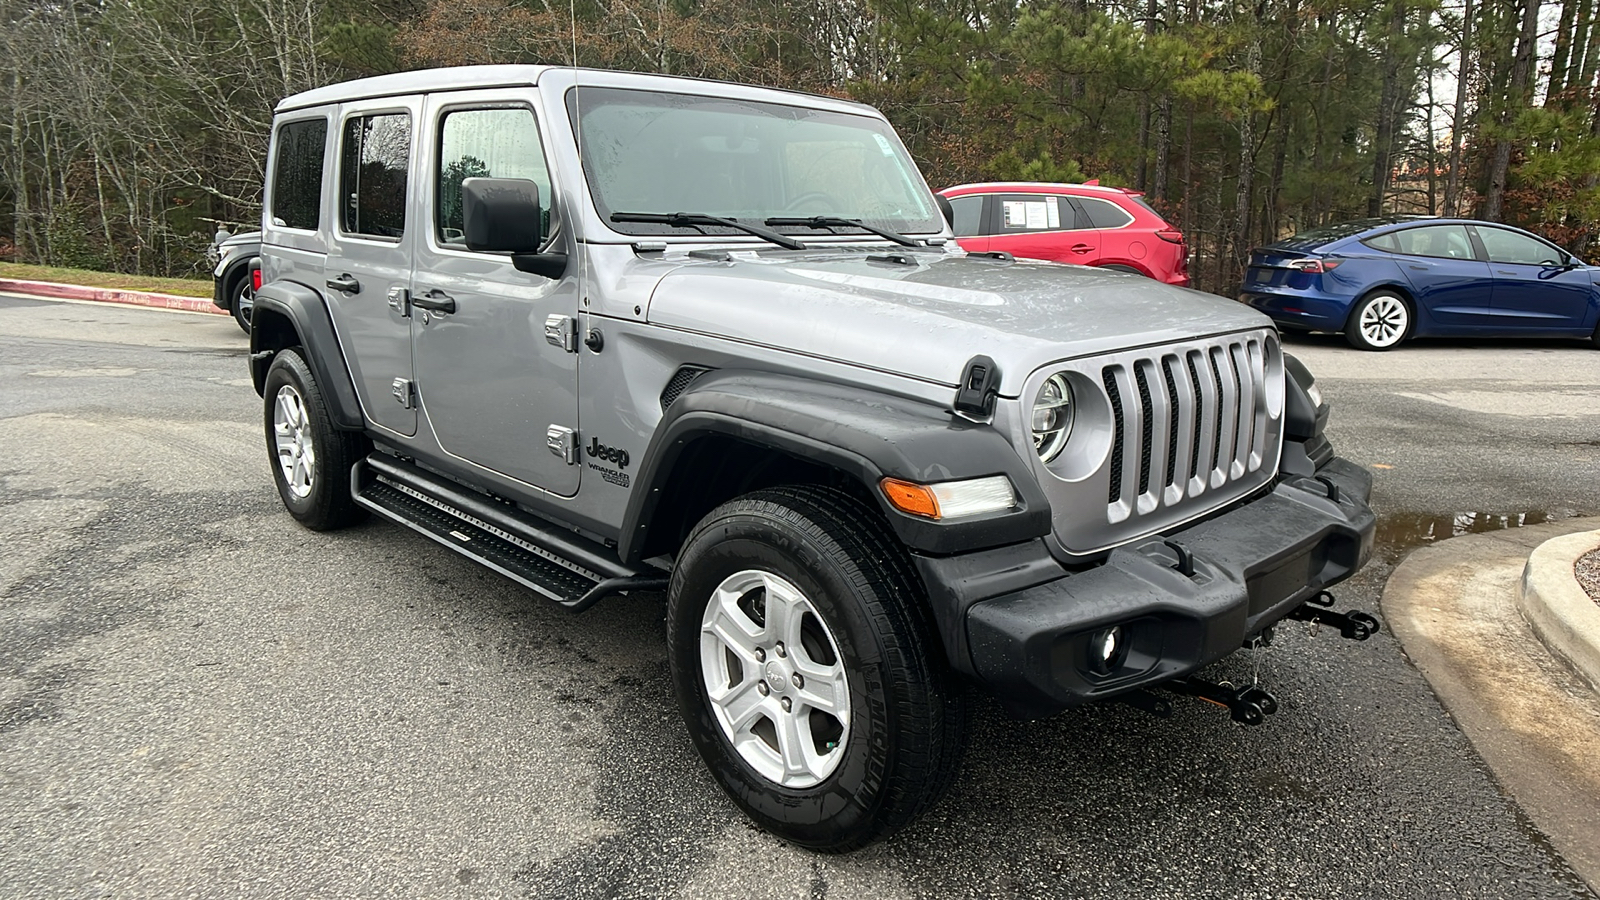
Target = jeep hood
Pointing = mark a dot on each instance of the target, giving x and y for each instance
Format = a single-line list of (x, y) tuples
[(926, 319)]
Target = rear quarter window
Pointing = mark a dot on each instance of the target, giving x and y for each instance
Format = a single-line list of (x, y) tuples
[(297, 177), (1103, 213), (1385, 242)]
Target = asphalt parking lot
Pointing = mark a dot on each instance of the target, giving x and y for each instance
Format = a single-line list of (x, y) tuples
[(198, 698)]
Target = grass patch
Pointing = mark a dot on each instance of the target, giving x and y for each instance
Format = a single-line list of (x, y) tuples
[(182, 287)]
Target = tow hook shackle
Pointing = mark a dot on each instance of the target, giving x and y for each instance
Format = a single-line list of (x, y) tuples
[(1357, 626), (1249, 705)]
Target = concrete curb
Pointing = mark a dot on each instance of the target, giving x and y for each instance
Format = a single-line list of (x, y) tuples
[(1535, 722), (1558, 608), (109, 295)]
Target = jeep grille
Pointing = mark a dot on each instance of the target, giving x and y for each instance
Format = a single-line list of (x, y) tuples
[(1178, 431)]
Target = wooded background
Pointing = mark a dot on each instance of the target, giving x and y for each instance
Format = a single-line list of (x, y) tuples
[(131, 128)]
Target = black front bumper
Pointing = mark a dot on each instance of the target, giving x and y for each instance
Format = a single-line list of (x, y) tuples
[(1022, 625)]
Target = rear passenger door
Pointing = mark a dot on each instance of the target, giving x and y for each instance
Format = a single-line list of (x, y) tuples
[(1042, 226), (1449, 282), (1110, 223), (369, 256), (493, 384)]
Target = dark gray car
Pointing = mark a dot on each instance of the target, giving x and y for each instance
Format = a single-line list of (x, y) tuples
[(608, 332), (231, 288)]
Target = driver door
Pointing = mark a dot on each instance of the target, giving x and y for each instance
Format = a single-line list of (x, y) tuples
[(491, 384), (1532, 287)]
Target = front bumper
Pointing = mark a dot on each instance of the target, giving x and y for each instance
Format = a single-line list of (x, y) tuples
[(1026, 625)]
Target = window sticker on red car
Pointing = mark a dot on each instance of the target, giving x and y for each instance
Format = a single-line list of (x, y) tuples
[(1033, 215)]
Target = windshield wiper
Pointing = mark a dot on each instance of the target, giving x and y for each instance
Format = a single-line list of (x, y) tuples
[(842, 222), (691, 220)]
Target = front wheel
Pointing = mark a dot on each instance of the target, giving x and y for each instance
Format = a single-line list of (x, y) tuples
[(311, 460), (806, 671), (1380, 321)]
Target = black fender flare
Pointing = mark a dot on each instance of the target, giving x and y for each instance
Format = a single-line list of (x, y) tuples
[(866, 434), (291, 305)]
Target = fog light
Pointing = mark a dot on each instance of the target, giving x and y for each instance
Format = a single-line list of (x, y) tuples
[(1106, 650)]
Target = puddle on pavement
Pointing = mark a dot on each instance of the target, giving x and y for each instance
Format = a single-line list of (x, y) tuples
[(1400, 533)]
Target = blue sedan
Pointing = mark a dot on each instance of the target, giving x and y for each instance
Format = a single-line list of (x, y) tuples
[(1381, 281)]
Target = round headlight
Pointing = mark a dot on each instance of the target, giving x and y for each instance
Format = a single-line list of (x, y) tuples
[(1052, 417)]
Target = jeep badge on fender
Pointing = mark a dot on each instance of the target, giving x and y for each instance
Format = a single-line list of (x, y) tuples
[(873, 469), (609, 454)]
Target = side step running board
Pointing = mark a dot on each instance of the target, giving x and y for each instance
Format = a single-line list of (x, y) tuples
[(574, 572)]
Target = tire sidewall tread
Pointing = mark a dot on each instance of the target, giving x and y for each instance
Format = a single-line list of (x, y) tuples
[(907, 717), (330, 504)]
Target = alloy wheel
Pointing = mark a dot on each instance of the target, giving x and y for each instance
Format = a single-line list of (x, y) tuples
[(775, 679)]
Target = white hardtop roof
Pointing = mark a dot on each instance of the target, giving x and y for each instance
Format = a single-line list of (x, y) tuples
[(459, 78)]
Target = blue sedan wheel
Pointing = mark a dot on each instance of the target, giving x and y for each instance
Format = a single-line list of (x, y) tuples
[(1380, 321)]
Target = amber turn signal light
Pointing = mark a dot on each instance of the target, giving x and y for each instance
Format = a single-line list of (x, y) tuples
[(916, 499)]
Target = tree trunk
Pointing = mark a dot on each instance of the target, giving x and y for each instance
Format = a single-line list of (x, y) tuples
[(1388, 110), (1519, 94), (1452, 184), (1561, 55)]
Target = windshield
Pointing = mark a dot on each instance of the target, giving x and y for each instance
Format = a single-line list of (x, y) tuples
[(650, 152)]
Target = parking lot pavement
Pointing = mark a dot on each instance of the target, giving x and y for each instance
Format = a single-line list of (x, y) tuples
[(200, 698)]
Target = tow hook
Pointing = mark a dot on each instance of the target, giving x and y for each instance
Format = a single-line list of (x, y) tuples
[(1357, 626), (1248, 705)]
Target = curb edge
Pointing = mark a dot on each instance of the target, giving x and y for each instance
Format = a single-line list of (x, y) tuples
[(1557, 607)]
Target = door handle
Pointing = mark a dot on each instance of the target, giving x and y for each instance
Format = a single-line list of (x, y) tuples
[(1503, 272), (346, 283), (1418, 268), (1081, 248), (436, 301)]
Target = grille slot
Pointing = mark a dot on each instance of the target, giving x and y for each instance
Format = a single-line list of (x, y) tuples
[(1107, 375)]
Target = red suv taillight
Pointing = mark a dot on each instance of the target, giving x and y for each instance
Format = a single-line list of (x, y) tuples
[(255, 276), (1170, 236), (1314, 266)]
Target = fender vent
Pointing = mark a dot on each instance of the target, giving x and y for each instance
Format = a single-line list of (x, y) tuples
[(679, 382)]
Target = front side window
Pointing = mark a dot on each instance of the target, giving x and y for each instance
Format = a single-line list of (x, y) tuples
[(660, 153), (297, 177), (968, 215), (486, 143), (372, 180), (1022, 213), (1509, 247), (1444, 241)]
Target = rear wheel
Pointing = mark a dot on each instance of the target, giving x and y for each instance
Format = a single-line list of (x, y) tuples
[(311, 460), (805, 669), (1380, 321), (243, 301)]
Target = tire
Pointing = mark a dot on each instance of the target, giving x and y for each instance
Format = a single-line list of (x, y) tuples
[(1594, 339), (242, 300), (1380, 321), (898, 719), (310, 459)]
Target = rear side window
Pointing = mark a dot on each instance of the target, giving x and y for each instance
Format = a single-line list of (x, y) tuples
[(1510, 247), (969, 215), (1444, 241), (1104, 213), (486, 143), (372, 179), (1022, 213), (297, 178), (1383, 242)]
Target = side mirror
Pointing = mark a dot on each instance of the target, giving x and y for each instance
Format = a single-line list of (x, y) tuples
[(945, 208), (501, 214)]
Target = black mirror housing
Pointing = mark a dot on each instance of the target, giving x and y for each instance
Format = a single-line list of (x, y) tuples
[(946, 209), (501, 214)]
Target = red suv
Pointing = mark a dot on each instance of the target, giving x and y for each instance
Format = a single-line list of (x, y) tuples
[(1085, 224)]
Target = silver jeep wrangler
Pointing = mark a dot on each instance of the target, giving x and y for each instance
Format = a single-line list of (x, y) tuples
[(609, 333)]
